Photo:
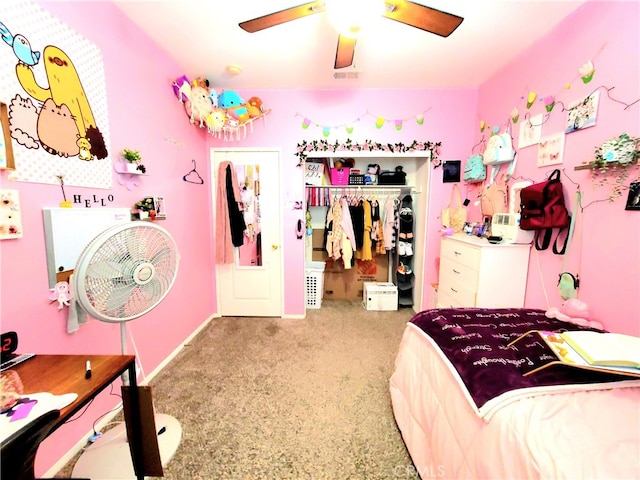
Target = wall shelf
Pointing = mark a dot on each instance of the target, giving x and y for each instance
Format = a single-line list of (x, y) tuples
[(591, 165)]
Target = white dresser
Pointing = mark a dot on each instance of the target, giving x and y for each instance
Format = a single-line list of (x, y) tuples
[(476, 273)]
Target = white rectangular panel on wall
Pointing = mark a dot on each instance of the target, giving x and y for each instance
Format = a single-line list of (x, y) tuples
[(69, 230)]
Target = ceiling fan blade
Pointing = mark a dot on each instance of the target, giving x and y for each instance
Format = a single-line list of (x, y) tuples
[(283, 16), (345, 51), (422, 17)]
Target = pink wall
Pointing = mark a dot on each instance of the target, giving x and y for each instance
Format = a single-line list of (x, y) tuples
[(450, 120), (146, 116), (607, 34)]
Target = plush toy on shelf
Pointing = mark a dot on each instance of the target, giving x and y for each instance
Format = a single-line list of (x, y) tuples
[(371, 177), (216, 120), (255, 107), (234, 105), (222, 113), (200, 82), (198, 106)]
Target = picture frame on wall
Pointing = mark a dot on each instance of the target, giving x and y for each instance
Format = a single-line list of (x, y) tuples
[(451, 171), (633, 200), (10, 215), (582, 113), (551, 150), (530, 131), (161, 212)]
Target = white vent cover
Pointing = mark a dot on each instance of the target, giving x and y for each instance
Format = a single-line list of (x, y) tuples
[(352, 74)]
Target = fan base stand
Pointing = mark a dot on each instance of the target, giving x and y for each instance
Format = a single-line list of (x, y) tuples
[(109, 457)]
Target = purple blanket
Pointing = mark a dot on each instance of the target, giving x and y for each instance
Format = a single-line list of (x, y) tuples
[(475, 342)]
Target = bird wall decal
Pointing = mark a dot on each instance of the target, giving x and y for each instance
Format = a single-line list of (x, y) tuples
[(21, 46)]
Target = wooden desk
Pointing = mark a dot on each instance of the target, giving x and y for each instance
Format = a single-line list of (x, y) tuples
[(60, 374)]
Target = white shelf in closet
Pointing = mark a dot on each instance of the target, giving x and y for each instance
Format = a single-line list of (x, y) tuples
[(476, 273)]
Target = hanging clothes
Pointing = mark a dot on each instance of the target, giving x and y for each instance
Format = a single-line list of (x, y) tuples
[(229, 220), (234, 202), (377, 233), (357, 218), (406, 219), (334, 231), (347, 222), (389, 223), (368, 225)]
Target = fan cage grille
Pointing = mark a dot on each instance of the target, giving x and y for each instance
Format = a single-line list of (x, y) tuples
[(126, 271)]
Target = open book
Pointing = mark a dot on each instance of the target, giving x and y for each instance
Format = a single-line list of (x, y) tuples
[(567, 355), (613, 349)]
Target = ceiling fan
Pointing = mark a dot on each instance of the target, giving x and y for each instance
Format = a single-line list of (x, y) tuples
[(403, 11)]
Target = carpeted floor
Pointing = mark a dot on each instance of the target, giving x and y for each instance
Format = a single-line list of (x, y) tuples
[(263, 398)]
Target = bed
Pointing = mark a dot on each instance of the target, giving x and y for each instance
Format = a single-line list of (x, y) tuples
[(465, 409)]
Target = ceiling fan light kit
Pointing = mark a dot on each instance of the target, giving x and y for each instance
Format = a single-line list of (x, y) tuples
[(234, 69), (352, 17)]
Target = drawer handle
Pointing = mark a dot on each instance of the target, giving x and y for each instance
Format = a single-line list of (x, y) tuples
[(453, 289), (455, 271), (457, 253)]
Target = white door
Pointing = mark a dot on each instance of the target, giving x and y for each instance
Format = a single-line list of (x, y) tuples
[(252, 284)]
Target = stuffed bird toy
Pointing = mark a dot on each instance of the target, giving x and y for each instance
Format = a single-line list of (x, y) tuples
[(21, 46)]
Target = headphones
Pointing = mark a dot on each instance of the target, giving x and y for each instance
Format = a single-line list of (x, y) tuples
[(576, 280)]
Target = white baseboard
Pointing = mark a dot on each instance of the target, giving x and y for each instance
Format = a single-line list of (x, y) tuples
[(173, 354), (65, 459)]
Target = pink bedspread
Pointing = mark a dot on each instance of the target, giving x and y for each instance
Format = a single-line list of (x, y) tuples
[(581, 433)]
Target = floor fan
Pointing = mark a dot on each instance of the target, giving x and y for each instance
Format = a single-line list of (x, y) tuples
[(122, 274)]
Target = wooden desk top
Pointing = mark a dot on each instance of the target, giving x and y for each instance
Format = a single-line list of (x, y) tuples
[(60, 374)]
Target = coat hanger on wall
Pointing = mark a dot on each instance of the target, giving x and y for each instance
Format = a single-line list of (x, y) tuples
[(193, 176)]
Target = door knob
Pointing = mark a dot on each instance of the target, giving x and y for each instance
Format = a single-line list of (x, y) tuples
[(274, 247)]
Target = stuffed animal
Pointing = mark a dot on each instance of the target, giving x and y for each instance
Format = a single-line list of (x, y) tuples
[(255, 107), (574, 311), (215, 120), (200, 82), (180, 86), (234, 105), (371, 177), (213, 96), (198, 106), (61, 294)]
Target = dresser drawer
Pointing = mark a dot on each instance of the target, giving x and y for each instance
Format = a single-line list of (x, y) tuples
[(445, 301), (455, 272), (456, 294), (464, 254)]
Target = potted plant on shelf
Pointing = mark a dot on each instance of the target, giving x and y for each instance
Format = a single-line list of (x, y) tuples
[(622, 149), (146, 208), (614, 160), (133, 160)]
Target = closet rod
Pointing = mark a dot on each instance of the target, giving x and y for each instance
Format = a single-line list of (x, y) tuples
[(369, 189)]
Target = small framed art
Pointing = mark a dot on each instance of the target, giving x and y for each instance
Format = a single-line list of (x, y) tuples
[(633, 200), (451, 171)]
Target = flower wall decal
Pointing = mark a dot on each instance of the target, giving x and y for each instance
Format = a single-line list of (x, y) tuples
[(305, 147)]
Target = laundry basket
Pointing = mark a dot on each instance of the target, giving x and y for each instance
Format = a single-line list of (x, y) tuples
[(314, 283)]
